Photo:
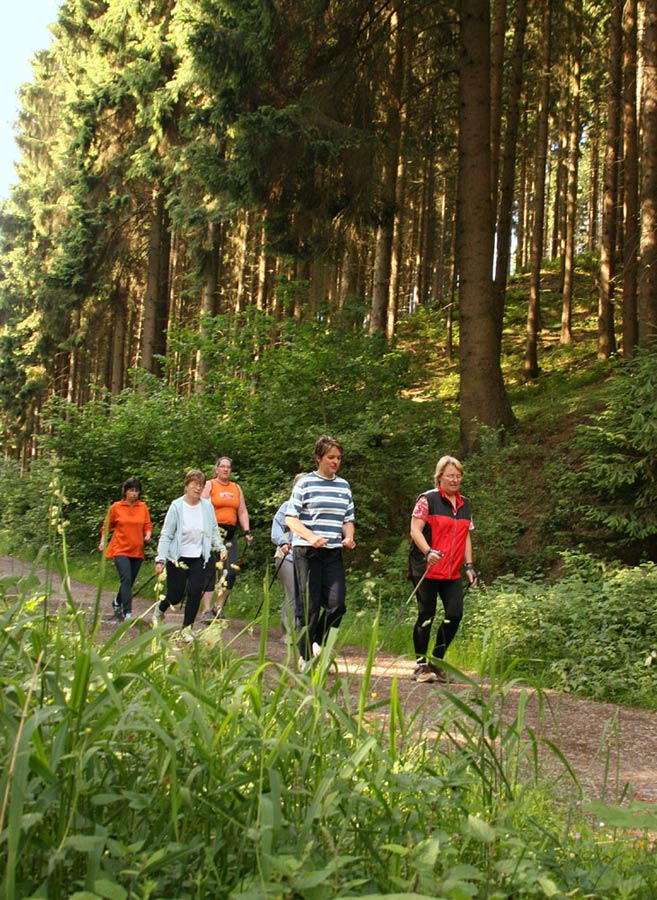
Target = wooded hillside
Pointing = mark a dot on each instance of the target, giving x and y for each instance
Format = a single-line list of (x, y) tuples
[(188, 165)]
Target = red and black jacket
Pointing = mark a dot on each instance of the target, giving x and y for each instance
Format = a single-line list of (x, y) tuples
[(446, 530)]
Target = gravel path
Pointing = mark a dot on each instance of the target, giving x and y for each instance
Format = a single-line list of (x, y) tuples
[(613, 749)]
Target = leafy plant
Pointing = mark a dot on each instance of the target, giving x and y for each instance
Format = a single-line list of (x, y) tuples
[(133, 769), (617, 477), (592, 632)]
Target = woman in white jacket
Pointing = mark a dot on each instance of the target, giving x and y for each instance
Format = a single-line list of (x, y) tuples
[(189, 535)]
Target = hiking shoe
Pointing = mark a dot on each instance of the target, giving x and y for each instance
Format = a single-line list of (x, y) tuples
[(417, 668), (425, 674), (316, 649), (158, 615), (127, 616), (187, 634), (208, 617), (116, 618), (438, 672)]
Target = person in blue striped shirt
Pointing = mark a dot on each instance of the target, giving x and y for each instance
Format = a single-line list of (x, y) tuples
[(320, 515)]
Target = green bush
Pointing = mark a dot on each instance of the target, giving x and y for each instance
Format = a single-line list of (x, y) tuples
[(266, 415), (593, 632), (615, 486)]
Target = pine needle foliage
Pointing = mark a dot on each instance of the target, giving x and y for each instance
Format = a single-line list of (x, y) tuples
[(618, 447)]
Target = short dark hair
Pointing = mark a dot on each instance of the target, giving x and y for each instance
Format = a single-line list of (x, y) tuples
[(131, 483), (325, 443)]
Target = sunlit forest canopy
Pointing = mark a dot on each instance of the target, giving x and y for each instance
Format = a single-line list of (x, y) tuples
[(188, 166)]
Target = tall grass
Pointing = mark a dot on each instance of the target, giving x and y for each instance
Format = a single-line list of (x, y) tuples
[(134, 768)]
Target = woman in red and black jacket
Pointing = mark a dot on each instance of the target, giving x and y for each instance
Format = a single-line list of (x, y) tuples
[(440, 544)]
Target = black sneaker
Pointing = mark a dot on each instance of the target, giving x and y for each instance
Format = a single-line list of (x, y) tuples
[(116, 618)]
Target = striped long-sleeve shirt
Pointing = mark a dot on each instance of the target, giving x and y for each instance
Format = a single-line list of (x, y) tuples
[(323, 505)]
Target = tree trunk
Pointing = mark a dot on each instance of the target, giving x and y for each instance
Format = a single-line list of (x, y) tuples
[(428, 245), (594, 178), (505, 218), (648, 259), (521, 226), (556, 240), (209, 297), (573, 171), (242, 261), (385, 227), (438, 281), (631, 180), (534, 311), (498, 33), (396, 260), (119, 312), (482, 392), (606, 338), (348, 271), (266, 265), (156, 299)]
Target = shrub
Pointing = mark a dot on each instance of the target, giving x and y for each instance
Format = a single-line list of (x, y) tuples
[(267, 417), (592, 632), (616, 483)]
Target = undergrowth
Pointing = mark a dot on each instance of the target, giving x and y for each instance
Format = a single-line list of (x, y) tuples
[(136, 768)]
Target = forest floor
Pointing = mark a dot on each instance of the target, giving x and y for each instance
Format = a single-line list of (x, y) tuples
[(611, 748)]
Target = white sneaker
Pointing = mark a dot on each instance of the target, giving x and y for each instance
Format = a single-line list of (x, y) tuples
[(127, 616), (304, 664), (158, 615), (316, 649), (187, 634)]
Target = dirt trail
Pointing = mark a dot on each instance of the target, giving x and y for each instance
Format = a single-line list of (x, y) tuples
[(613, 749)]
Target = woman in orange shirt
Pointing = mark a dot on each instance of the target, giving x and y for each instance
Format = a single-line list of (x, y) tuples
[(129, 523), (229, 508)]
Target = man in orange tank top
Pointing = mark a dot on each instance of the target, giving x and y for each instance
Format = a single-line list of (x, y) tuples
[(230, 510)]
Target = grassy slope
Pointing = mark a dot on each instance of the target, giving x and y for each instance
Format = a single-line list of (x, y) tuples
[(569, 388)]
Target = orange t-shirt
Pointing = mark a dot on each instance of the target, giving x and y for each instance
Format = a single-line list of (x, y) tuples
[(226, 500), (128, 525)]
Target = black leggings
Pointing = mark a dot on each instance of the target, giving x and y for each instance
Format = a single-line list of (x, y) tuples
[(451, 594), (320, 590), (192, 575)]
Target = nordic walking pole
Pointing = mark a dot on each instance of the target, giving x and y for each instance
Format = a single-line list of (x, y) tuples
[(275, 575), (141, 587), (415, 589)]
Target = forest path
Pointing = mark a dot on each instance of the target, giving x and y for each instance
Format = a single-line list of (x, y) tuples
[(612, 748)]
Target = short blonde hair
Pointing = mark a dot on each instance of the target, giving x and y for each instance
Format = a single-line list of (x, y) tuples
[(442, 464)]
